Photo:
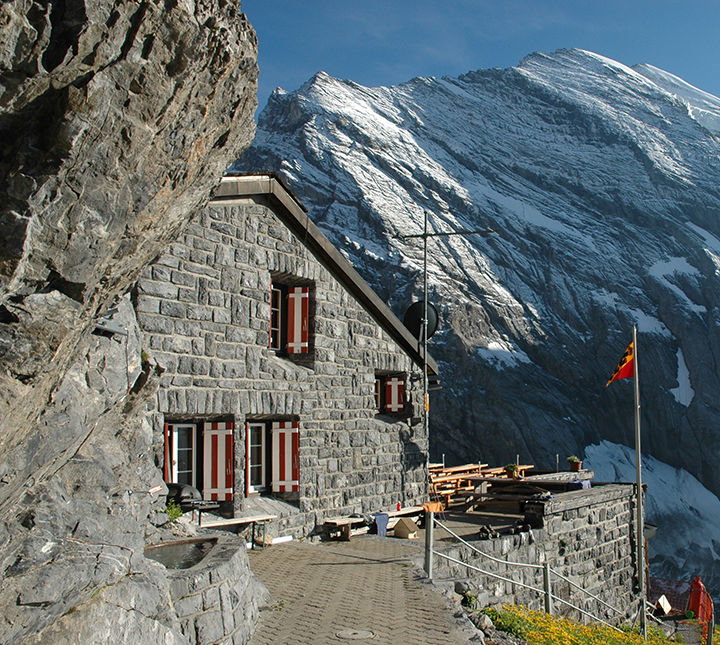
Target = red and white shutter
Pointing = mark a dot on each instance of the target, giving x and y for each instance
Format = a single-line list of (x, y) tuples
[(298, 319), (285, 456), (394, 394), (218, 463), (166, 453)]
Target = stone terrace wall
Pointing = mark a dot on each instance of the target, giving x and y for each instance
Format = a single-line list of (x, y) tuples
[(587, 536), (204, 307)]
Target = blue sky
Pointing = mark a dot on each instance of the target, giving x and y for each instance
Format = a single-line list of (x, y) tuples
[(376, 42)]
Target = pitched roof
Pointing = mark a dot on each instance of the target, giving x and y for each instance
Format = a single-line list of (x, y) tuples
[(294, 215)]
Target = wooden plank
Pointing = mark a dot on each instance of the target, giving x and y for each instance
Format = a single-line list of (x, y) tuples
[(407, 510), (464, 468), (344, 520), (247, 519)]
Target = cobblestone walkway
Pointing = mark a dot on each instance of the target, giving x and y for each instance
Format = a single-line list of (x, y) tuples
[(365, 590)]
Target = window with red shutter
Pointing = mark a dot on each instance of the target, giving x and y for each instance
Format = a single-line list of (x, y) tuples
[(218, 462), (289, 319), (272, 459), (201, 454), (390, 393)]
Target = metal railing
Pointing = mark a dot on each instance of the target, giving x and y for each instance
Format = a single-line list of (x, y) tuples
[(546, 591)]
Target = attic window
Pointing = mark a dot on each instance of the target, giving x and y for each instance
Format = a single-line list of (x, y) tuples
[(289, 318)]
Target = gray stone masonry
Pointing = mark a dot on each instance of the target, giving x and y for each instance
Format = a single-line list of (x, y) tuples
[(218, 600), (204, 307), (586, 536)]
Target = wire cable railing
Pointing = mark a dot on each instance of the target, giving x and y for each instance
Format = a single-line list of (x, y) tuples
[(546, 591)]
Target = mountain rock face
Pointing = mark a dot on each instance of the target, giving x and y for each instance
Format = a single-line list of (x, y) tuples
[(601, 184), (116, 122)]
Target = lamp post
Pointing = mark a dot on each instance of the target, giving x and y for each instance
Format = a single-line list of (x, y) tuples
[(425, 235)]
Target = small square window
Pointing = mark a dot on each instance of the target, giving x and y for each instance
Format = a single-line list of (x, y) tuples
[(390, 393)]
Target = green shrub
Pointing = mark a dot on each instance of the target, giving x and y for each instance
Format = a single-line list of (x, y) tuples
[(173, 510)]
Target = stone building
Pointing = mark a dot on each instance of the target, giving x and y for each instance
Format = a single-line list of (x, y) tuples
[(288, 383)]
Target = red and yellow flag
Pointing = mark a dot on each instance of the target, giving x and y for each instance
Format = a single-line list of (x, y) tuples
[(626, 365)]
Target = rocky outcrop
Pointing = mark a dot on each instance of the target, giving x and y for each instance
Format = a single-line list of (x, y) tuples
[(116, 122)]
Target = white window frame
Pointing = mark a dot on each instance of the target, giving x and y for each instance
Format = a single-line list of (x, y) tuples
[(276, 333), (263, 461), (193, 453)]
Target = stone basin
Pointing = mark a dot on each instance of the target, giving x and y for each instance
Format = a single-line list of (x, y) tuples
[(181, 554)]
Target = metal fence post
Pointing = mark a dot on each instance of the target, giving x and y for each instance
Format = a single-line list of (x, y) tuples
[(429, 529), (711, 628), (548, 588)]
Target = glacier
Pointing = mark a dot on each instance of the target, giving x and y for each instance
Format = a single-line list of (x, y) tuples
[(601, 182)]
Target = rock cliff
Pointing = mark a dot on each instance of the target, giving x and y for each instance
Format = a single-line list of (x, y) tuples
[(116, 122)]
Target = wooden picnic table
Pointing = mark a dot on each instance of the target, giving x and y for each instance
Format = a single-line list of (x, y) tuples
[(500, 470), (447, 482), (442, 479)]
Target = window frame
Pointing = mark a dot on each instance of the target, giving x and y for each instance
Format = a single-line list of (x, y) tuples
[(279, 324), (380, 393)]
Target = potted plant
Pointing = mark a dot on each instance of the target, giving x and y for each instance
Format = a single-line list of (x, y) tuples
[(575, 463), (512, 471)]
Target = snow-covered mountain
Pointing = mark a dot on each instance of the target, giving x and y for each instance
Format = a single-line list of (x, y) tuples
[(602, 184)]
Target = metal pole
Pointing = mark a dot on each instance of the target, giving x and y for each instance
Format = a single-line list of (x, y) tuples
[(426, 402), (639, 521), (548, 589), (711, 629), (429, 529)]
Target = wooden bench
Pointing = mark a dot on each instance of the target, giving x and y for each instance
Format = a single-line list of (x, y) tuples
[(413, 512), (347, 525), (253, 520)]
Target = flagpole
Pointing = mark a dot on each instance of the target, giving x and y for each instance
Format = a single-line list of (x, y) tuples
[(639, 521)]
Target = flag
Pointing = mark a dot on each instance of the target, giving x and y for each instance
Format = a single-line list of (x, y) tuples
[(626, 365)]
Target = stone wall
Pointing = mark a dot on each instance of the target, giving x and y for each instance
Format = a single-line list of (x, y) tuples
[(586, 535), (204, 306)]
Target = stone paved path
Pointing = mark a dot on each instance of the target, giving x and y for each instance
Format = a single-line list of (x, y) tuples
[(337, 592)]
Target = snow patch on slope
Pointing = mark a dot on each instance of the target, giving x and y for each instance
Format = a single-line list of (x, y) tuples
[(683, 393), (501, 354), (687, 514), (712, 245), (664, 270)]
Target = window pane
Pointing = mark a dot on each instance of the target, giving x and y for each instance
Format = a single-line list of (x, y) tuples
[(184, 460), (184, 438), (185, 478)]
